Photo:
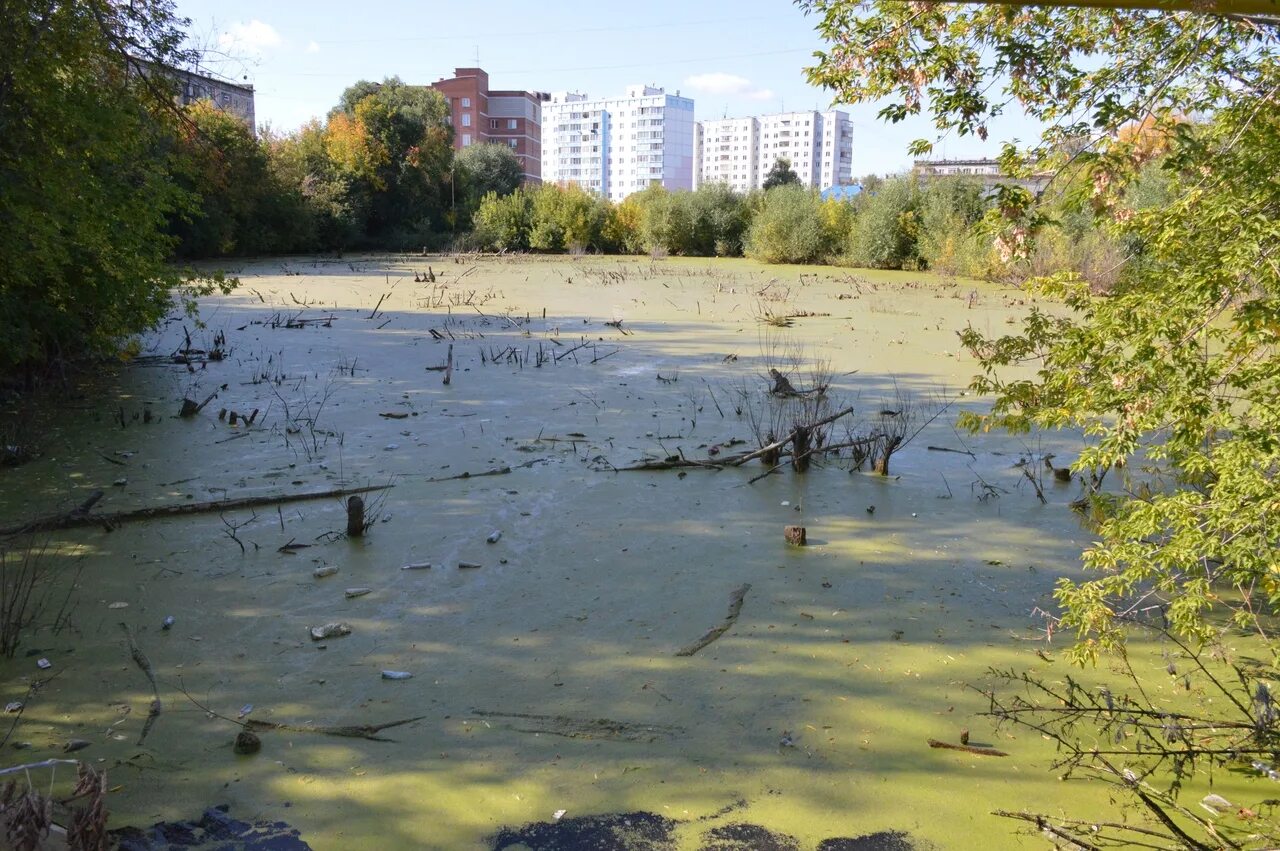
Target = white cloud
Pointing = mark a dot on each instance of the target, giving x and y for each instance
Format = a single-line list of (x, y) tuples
[(313, 47), (720, 83), (252, 37)]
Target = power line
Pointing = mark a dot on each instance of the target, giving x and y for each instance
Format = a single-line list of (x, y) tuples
[(560, 31), (648, 64)]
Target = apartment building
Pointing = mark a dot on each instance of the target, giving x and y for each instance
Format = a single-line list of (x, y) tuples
[(616, 146), (985, 171), (741, 151), (502, 117), (192, 86)]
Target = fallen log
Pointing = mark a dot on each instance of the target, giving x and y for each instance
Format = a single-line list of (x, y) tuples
[(973, 749), (735, 609), (82, 517)]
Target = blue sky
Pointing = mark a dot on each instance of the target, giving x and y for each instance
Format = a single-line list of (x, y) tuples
[(737, 58)]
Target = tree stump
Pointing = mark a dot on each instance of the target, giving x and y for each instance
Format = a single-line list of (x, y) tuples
[(355, 517), (247, 743), (770, 458), (881, 464), (801, 441), (795, 535)]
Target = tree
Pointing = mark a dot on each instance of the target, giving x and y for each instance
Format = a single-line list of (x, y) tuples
[(85, 138), (789, 228), (394, 142), (1179, 368), (780, 174), (481, 169)]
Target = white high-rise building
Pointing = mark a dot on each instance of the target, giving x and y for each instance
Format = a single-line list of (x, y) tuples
[(741, 151), (616, 146)]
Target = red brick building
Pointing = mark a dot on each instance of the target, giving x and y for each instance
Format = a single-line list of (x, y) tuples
[(510, 118)]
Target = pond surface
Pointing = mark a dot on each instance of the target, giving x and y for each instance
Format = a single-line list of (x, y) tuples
[(546, 678)]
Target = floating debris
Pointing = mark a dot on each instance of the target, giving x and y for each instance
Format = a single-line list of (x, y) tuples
[(168, 622), (322, 572), (118, 606), (467, 565), (397, 675), (245, 710), (357, 592), (494, 537), (15, 706), (420, 565), (75, 745), (329, 630), (44, 664)]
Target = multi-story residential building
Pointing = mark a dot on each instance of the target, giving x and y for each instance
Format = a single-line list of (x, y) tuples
[(741, 151), (193, 86), (985, 171), (511, 118), (616, 146)]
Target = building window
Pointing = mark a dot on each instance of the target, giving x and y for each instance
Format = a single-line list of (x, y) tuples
[(466, 103), (466, 139), (493, 124), (511, 124), (513, 143), (466, 119)]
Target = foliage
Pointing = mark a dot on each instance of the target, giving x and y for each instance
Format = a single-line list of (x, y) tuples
[(950, 236), (789, 228), (482, 169), (242, 205), (84, 147), (1173, 378), (885, 231), (502, 222), (780, 174)]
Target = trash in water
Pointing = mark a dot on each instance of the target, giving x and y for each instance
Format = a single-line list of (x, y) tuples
[(558, 814), (44, 664), (396, 675), (357, 592), (494, 536), (420, 565), (467, 565), (118, 606), (322, 572), (15, 706), (75, 745), (245, 710), (330, 630), (168, 622)]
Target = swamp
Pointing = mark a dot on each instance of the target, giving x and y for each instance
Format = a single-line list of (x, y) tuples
[(448, 551)]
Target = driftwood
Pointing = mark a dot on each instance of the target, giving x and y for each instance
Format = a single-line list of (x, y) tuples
[(82, 517), (350, 731), (497, 471), (973, 749), (144, 664), (735, 609)]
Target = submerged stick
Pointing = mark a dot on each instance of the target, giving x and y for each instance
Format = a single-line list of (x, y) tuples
[(351, 731), (973, 749), (81, 517), (144, 664), (735, 608)]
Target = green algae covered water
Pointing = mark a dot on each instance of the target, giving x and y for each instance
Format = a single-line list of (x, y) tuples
[(546, 679)]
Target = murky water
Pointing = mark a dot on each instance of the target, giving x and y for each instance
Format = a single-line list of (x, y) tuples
[(809, 716)]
